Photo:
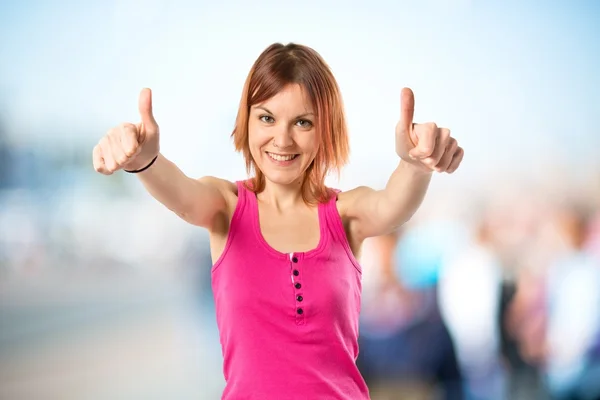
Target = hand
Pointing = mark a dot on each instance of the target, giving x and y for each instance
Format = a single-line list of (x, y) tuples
[(426, 146), (129, 146)]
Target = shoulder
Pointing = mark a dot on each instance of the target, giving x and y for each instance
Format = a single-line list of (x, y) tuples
[(224, 189), (346, 200), (227, 193), (228, 189), (219, 183)]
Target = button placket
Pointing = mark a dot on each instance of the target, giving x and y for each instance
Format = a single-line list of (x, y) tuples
[(297, 283)]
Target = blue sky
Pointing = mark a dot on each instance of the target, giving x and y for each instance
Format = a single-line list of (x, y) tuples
[(517, 83)]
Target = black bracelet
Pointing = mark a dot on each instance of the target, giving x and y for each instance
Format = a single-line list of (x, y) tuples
[(143, 169)]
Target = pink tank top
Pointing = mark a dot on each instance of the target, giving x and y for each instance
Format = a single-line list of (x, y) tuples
[(288, 323)]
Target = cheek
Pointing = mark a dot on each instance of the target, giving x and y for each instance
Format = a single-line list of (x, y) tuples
[(256, 138), (310, 144), (254, 144)]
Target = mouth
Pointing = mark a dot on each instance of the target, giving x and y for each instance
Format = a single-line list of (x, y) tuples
[(282, 158)]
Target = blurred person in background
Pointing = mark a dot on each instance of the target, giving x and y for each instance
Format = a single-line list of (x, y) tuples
[(284, 246), (552, 318), (516, 238), (572, 362), (523, 318), (406, 350), (470, 287)]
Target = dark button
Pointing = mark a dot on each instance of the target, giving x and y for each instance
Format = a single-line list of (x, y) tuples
[(295, 259), (299, 311), (296, 273), (299, 298), (298, 286)]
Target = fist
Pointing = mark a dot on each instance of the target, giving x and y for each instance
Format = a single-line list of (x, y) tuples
[(425, 145), (129, 146)]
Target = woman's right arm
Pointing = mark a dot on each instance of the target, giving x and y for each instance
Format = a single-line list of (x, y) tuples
[(197, 201), (132, 147)]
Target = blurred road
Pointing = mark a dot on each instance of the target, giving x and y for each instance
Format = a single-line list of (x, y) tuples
[(140, 340)]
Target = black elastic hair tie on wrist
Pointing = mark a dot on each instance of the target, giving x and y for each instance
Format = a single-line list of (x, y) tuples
[(143, 169)]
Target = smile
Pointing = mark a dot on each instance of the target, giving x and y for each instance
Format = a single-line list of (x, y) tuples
[(282, 157)]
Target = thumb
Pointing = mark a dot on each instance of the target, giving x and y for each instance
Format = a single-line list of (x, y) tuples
[(407, 111), (145, 108)]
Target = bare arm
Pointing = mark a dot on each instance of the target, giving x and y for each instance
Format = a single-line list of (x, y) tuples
[(133, 146), (423, 148), (379, 212), (197, 201)]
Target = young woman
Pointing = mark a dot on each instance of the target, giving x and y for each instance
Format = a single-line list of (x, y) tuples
[(286, 281)]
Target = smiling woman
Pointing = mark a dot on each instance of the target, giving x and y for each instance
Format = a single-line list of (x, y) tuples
[(307, 115), (285, 278)]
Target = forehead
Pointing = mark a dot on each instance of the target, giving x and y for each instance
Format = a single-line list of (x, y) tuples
[(292, 98)]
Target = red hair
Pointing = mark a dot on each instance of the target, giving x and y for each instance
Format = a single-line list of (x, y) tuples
[(275, 68)]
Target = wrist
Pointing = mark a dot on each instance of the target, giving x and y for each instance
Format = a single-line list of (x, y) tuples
[(140, 166), (415, 168)]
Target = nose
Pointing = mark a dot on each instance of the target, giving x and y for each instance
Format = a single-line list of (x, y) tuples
[(283, 138)]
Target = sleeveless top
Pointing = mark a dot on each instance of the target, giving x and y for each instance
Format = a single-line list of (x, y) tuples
[(288, 323)]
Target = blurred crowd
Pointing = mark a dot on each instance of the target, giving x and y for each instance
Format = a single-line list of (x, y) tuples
[(501, 301)]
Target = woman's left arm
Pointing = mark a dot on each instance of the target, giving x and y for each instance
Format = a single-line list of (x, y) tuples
[(423, 149)]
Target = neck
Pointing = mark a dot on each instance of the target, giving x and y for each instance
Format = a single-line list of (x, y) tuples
[(282, 196)]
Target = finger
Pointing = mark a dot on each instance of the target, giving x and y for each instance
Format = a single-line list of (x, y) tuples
[(448, 155), (109, 162), (456, 160), (427, 138), (407, 110), (128, 138), (440, 148), (118, 154), (145, 108), (98, 160)]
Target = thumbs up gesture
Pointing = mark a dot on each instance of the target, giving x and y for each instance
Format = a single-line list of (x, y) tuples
[(129, 146), (425, 145)]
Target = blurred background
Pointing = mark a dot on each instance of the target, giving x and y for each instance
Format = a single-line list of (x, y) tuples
[(493, 289)]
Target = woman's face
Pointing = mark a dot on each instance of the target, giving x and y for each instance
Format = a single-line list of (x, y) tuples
[(282, 135)]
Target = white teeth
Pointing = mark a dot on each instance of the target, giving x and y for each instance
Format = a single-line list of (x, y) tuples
[(278, 157)]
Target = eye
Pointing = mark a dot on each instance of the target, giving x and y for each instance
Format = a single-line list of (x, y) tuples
[(304, 123), (266, 119)]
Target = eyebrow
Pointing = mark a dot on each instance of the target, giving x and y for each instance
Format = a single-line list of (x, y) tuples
[(299, 116)]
